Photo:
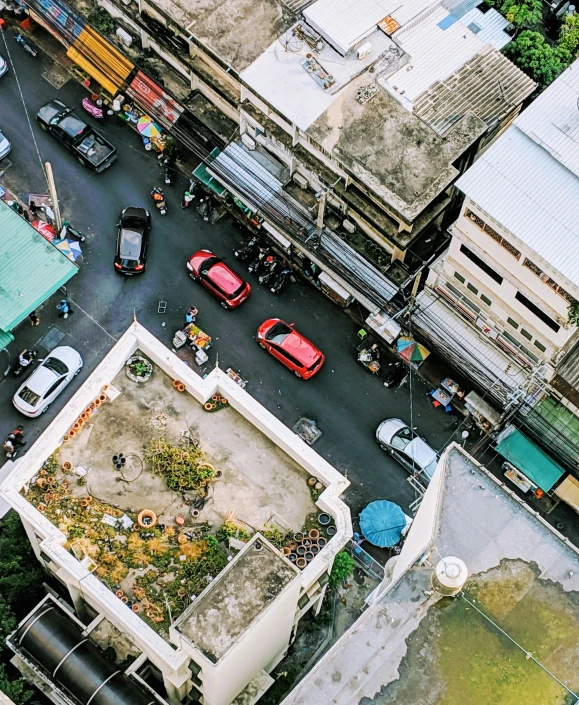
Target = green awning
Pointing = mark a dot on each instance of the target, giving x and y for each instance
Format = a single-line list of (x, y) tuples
[(5, 339), (529, 458), (210, 181), (31, 268)]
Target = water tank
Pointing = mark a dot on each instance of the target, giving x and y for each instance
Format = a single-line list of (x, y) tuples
[(450, 576)]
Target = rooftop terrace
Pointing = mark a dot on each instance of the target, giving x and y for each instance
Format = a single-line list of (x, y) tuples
[(414, 646)]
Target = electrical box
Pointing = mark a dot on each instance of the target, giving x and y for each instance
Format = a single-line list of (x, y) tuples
[(124, 36), (349, 226), (248, 141), (300, 180), (364, 50)]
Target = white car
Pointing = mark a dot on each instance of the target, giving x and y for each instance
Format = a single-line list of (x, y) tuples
[(47, 381), (3, 66), (5, 146), (406, 446)]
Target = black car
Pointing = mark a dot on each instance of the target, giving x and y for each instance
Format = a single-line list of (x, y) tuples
[(132, 241)]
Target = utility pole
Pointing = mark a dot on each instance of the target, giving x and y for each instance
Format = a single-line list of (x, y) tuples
[(322, 196), (53, 197)]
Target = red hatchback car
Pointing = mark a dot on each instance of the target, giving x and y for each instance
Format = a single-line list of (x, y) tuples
[(294, 351), (218, 278)]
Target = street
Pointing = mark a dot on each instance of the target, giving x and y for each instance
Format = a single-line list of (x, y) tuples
[(346, 401)]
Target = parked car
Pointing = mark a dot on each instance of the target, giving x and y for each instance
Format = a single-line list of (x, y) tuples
[(47, 381), (218, 278), (89, 147), (294, 351), (3, 66), (407, 447), (5, 146), (134, 228)]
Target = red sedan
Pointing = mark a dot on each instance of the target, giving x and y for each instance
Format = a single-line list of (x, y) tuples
[(294, 351), (218, 278)]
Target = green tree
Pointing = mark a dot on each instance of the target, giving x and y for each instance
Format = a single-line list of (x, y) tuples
[(343, 566), (20, 574), (522, 13), (569, 35), (15, 688), (538, 59)]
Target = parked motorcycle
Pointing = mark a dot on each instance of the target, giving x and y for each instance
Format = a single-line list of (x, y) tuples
[(93, 110), (73, 233), (246, 250), (159, 198), (168, 171), (27, 45), (395, 374), (205, 208), (269, 271), (25, 359), (281, 281), (257, 264)]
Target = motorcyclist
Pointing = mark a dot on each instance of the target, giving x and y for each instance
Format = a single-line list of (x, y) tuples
[(25, 358)]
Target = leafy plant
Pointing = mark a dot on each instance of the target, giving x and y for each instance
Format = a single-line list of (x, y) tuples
[(16, 689), (537, 58), (343, 566), (184, 468), (522, 13), (230, 529), (573, 313), (139, 368), (101, 20), (274, 535), (569, 35)]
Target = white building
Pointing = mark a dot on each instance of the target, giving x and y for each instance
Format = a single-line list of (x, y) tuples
[(505, 284), (223, 644)]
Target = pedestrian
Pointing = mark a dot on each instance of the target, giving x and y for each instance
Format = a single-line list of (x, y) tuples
[(17, 436), (187, 198), (32, 208), (26, 216), (190, 315), (64, 308), (34, 320)]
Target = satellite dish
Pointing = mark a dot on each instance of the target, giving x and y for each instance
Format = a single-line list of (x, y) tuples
[(290, 42)]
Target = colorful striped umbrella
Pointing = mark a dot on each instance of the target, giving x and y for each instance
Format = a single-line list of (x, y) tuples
[(147, 127), (410, 350)]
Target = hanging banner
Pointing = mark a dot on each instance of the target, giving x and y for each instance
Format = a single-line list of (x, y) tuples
[(100, 60), (59, 19), (153, 100)]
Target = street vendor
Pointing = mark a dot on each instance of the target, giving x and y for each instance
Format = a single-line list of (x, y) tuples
[(191, 315)]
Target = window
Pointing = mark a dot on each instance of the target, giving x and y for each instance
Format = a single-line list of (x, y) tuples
[(489, 271), (547, 279), (486, 300), (472, 288), (54, 387), (55, 365), (547, 320), (515, 343), (290, 357), (540, 346), (460, 278), (513, 323), (492, 233), (526, 334)]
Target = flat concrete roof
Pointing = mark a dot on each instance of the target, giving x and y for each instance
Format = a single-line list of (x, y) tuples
[(238, 31), (227, 608), (414, 646)]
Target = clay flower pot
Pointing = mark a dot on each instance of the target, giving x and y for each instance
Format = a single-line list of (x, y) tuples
[(103, 397), (309, 556), (312, 481), (67, 467), (286, 550), (322, 542), (314, 534), (119, 593), (324, 519), (135, 607), (299, 537), (147, 518), (293, 545), (180, 387), (301, 563)]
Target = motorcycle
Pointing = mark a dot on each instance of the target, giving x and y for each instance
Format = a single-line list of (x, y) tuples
[(167, 165), (19, 368), (159, 198), (281, 281), (14, 443), (93, 110), (27, 45), (269, 271), (256, 265), (395, 375), (70, 232), (205, 209), (246, 250)]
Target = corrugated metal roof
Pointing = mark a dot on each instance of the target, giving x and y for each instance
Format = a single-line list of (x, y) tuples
[(492, 27), (5, 339), (532, 195), (553, 119), (31, 268), (489, 86)]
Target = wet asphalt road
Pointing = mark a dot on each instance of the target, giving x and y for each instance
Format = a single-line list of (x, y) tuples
[(346, 401)]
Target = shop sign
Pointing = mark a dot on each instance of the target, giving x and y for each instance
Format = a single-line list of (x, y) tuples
[(153, 99)]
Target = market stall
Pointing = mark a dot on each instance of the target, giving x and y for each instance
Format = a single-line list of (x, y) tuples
[(197, 339)]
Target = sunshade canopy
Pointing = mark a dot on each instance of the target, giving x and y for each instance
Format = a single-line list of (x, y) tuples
[(529, 458), (382, 523)]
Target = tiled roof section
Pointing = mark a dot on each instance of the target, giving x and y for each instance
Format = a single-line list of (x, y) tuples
[(489, 86)]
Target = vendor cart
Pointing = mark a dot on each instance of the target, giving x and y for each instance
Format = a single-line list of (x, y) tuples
[(195, 338)]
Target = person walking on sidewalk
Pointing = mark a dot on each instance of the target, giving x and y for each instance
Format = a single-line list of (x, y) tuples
[(34, 320), (64, 308), (187, 198)]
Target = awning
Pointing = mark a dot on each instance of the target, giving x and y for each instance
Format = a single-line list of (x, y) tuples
[(208, 179), (100, 60), (529, 458), (568, 491), (5, 339), (478, 404)]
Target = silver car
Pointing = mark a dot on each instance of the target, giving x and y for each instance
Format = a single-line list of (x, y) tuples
[(3, 66), (5, 146), (406, 446), (47, 381)]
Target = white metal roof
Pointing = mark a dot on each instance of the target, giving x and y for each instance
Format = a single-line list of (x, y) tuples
[(532, 195), (491, 27)]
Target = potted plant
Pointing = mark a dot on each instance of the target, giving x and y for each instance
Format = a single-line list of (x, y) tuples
[(139, 369)]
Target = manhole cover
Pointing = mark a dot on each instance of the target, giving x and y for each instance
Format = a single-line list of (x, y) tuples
[(52, 338), (307, 430)]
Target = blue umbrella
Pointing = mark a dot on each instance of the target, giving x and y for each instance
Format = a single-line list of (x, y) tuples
[(382, 523)]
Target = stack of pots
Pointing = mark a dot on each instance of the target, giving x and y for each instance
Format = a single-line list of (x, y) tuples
[(303, 548)]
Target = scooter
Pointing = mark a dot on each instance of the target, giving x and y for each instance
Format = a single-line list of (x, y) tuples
[(159, 198), (395, 375), (281, 281), (271, 268), (27, 45), (205, 209), (17, 443), (257, 264), (167, 164), (247, 250), (93, 110), (73, 233), (18, 369)]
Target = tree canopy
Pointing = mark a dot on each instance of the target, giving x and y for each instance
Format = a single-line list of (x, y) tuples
[(536, 57), (569, 35)]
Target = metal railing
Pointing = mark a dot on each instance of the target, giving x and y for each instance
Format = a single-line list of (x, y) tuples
[(364, 560)]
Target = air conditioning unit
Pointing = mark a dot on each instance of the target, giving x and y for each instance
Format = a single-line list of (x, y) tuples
[(364, 50), (124, 36), (248, 141), (300, 180), (349, 226)]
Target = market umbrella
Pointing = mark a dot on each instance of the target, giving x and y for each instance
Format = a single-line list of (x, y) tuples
[(147, 127), (75, 249), (382, 523), (410, 350), (44, 229)]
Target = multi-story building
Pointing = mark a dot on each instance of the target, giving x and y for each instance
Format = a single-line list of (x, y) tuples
[(502, 292), (188, 613), (354, 120)]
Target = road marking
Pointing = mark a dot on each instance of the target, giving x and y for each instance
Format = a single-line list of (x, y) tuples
[(87, 314)]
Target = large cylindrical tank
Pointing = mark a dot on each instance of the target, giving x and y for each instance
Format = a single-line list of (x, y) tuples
[(449, 576)]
